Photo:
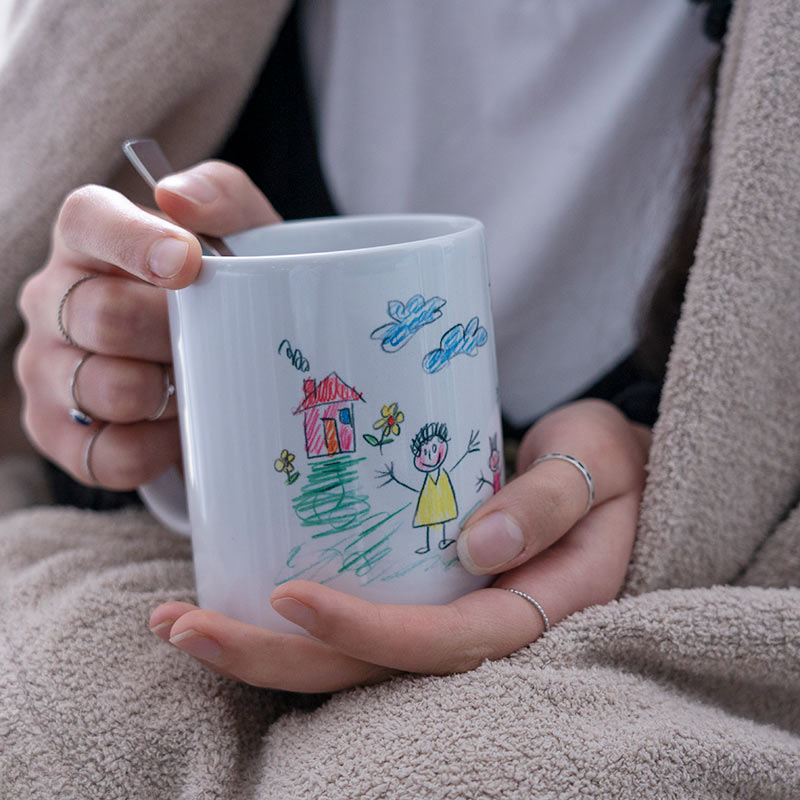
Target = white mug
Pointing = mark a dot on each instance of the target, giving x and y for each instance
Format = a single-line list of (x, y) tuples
[(339, 411)]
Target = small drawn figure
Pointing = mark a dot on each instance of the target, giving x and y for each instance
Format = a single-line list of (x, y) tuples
[(284, 464), (389, 423), (494, 466), (436, 504)]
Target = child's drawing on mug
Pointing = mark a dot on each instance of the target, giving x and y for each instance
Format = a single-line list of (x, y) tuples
[(388, 425), (284, 464), (328, 416), (436, 501), (455, 341), (407, 319), (494, 468), (295, 355)]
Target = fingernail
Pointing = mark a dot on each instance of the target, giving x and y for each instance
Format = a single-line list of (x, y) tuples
[(489, 543), (167, 256), (295, 611), (191, 186), (191, 642), (162, 629)]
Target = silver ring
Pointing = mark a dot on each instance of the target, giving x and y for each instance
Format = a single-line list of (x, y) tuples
[(87, 454), (578, 465), (77, 412), (169, 390), (60, 315), (535, 604)]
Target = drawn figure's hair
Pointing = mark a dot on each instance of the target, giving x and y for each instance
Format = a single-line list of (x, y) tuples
[(427, 432)]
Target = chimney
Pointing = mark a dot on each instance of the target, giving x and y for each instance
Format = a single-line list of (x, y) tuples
[(309, 387)]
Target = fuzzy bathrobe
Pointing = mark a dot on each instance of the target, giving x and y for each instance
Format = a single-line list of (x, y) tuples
[(688, 686)]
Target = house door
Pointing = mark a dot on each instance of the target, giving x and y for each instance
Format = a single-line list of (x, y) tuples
[(331, 435)]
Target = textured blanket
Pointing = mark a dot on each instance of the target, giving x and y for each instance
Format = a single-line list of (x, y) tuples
[(688, 686)]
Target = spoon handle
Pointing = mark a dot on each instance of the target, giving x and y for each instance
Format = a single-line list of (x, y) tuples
[(149, 161)]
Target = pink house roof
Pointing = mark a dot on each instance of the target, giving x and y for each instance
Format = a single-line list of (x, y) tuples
[(329, 390)]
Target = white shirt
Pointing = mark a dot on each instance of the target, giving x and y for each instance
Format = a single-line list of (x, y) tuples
[(566, 126)]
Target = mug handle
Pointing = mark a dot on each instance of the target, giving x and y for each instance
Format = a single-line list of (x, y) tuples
[(165, 499)]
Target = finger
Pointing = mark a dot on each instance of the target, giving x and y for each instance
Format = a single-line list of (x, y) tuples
[(586, 567), (429, 639), (525, 517), (119, 390), (164, 617), (99, 229), (598, 434), (214, 197), (122, 457), (539, 506), (108, 315), (126, 456), (260, 657)]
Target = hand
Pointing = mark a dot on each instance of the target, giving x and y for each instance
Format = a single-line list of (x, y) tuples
[(121, 318), (532, 534), (387, 472)]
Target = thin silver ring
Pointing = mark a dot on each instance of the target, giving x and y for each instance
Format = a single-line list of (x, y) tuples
[(60, 315), (87, 454), (579, 466), (169, 390), (535, 604), (77, 412)]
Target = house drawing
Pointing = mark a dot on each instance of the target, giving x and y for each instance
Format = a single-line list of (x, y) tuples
[(328, 422)]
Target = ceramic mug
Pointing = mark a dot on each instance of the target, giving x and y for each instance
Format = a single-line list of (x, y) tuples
[(339, 412)]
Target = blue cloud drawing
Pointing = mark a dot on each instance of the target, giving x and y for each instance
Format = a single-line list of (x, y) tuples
[(408, 318), (459, 339)]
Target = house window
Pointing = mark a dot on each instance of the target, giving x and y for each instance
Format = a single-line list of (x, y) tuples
[(344, 416)]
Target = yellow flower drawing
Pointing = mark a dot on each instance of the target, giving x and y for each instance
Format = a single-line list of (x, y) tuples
[(390, 420), (388, 425), (284, 464)]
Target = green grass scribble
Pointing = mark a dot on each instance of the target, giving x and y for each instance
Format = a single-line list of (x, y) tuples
[(330, 496), (353, 537)]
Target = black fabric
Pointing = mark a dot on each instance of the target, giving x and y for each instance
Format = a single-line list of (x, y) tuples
[(628, 386), (274, 140), (716, 20), (65, 491)]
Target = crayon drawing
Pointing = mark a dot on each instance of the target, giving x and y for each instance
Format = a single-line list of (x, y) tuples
[(284, 464), (494, 468), (436, 501), (328, 416), (330, 497), (388, 425), (295, 355), (458, 339), (348, 535), (407, 319)]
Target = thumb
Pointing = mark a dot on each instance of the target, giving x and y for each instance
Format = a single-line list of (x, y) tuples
[(214, 197), (524, 518), (537, 508)]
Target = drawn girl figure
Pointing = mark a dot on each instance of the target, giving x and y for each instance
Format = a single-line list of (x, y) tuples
[(436, 504), (494, 466)]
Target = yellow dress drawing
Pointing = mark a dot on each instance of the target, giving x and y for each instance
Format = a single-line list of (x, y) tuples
[(437, 501)]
